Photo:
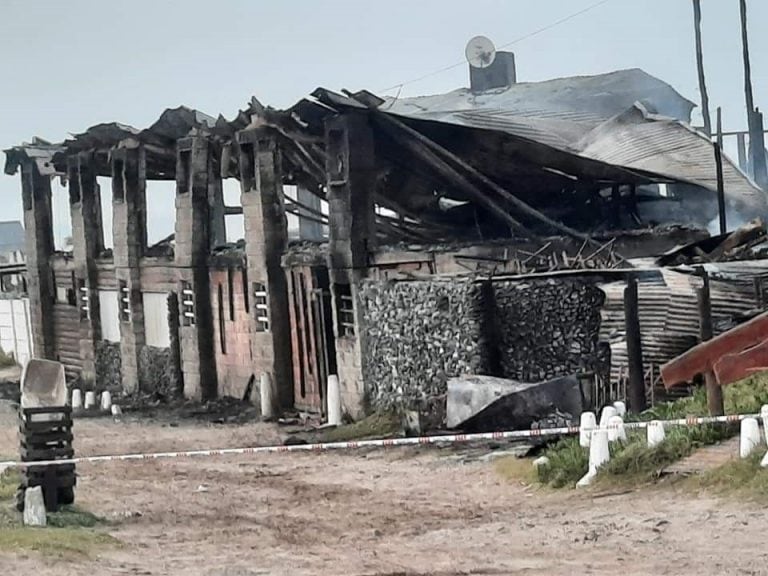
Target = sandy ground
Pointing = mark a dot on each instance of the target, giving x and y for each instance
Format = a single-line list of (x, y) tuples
[(396, 512)]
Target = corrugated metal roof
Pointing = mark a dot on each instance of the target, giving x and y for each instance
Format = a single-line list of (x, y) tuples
[(626, 118), (587, 100), (668, 309), (643, 141)]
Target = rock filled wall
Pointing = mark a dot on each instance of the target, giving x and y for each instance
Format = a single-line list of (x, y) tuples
[(108, 364), (548, 328), (156, 373), (418, 335), (421, 333)]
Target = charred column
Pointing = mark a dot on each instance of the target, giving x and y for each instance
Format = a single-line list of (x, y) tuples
[(266, 238), (87, 245), (129, 206), (196, 170), (38, 226), (350, 170)]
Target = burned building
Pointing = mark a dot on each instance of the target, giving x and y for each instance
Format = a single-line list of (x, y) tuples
[(442, 213)]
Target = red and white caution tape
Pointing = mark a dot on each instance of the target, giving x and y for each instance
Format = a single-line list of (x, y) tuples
[(356, 444)]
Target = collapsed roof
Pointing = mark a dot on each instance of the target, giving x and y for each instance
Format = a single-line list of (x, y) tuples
[(551, 148)]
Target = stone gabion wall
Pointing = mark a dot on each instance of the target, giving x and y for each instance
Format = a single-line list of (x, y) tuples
[(418, 335), (156, 373), (108, 364), (548, 328)]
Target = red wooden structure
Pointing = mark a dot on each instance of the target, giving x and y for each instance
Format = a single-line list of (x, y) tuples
[(731, 356)]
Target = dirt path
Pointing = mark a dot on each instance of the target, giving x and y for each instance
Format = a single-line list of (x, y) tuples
[(393, 512)]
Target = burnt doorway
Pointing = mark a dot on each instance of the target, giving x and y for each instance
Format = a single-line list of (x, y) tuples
[(313, 344)]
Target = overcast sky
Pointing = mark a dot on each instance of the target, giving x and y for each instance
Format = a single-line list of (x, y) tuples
[(70, 64)]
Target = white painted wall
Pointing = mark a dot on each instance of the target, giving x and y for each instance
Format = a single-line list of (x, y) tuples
[(15, 329), (109, 312), (156, 331)]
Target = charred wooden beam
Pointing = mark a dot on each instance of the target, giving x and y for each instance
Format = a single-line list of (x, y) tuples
[(439, 156)]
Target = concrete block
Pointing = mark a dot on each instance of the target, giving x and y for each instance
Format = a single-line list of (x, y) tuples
[(34, 507)]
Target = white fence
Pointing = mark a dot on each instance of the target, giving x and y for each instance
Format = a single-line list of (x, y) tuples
[(16, 329)]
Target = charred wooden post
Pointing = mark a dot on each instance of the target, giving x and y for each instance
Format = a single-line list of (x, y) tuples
[(636, 392), (720, 180), (714, 391), (758, 147), (754, 118), (700, 68), (741, 146), (757, 284), (616, 206)]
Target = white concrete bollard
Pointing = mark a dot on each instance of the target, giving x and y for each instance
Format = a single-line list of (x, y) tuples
[(267, 395), (116, 410), (621, 408), (106, 401), (749, 438), (77, 399), (90, 400), (34, 507), (655, 433), (616, 430), (334, 401), (541, 462), (764, 418), (607, 413), (587, 423), (599, 454)]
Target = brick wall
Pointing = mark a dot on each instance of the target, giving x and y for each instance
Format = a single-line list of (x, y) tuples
[(231, 332)]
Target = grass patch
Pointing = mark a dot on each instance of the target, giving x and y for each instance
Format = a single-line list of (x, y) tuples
[(568, 462), (744, 479), (516, 469), (633, 462), (62, 543), (9, 482), (71, 533), (6, 360), (378, 425)]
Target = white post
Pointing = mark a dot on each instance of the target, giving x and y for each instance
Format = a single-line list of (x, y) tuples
[(655, 433), (749, 438), (267, 396), (621, 408), (334, 401), (77, 399), (90, 400), (607, 413), (106, 401), (616, 431), (599, 454), (587, 423)]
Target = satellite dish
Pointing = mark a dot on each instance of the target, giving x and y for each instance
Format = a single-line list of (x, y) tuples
[(480, 52)]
